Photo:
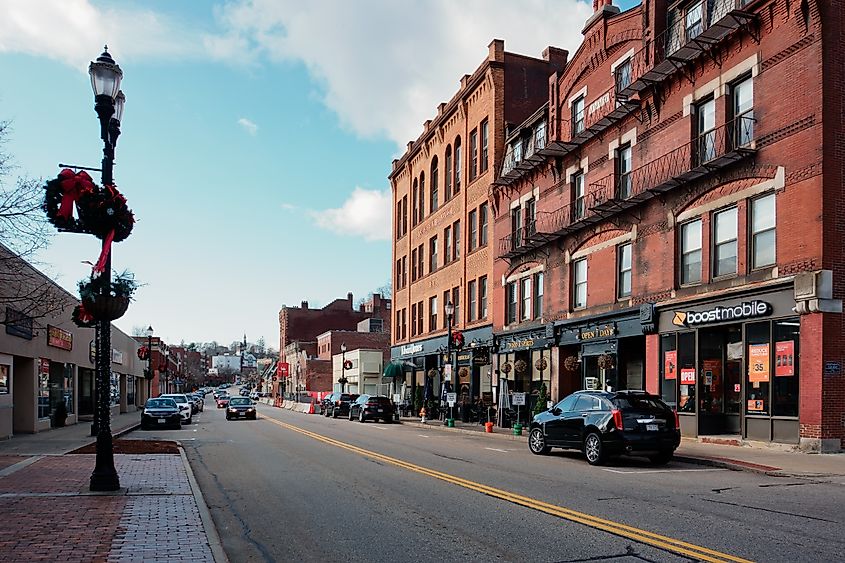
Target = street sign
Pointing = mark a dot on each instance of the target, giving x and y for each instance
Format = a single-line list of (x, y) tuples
[(451, 398), (518, 399), (447, 372)]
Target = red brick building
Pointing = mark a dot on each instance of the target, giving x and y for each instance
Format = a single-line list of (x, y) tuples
[(442, 220), (671, 219)]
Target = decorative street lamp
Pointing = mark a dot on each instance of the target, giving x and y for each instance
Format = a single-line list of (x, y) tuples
[(343, 367), (108, 103), (450, 310), (149, 360)]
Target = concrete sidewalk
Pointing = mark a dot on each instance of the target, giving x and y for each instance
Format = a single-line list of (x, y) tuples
[(758, 458), (50, 515)]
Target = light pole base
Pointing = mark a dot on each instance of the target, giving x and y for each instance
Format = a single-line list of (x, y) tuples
[(104, 476), (107, 480)]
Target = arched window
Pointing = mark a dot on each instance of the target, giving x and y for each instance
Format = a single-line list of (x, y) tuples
[(415, 213), (434, 187), (457, 165), (422, 195), (447, 174)]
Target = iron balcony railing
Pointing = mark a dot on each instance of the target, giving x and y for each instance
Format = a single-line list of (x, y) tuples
[(524, 150), (707, 152)]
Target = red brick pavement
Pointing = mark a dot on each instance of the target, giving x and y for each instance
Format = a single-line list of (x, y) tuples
[(7, 460), (54, 474)]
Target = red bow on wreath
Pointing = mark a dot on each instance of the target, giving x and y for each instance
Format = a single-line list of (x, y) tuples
[(74, 185), (143, 353)]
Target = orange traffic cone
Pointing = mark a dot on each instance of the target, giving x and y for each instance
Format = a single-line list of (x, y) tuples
[(311, 407)]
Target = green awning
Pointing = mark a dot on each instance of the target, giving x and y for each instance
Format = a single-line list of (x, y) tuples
[(394, 369)]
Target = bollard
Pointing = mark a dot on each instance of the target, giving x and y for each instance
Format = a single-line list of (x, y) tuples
[(517, 429), (488, 427)]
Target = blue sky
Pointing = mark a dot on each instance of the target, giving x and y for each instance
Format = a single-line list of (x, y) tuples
[(257, 137)]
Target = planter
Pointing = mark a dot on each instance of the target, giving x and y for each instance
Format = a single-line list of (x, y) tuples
[(488, 427), (106, 307), (517, 429), (450, 422)]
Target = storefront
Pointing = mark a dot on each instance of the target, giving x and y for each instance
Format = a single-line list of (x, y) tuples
[(525, 364), (602, 352), (731, 366)]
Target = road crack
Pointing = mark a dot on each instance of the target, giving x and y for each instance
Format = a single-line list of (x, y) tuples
[(769, 510)]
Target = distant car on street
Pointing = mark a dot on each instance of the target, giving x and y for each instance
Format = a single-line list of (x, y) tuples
[(608, 424), (184, 404), (372, 407), (222, 401), (241, 407), (160, 413), (254, 395), (339, 403)]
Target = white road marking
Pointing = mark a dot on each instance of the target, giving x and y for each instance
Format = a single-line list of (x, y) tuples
[(423, 436), (378, 428), (659, 470), (496, 450)]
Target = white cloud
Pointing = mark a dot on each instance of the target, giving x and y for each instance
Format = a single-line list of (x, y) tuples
[(385, 65), (289, 206), (249, 126), (366, 214)]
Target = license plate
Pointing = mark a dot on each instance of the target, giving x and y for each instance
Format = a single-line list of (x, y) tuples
[(651, 427), (381, 410), (161, 421), (242, 414)]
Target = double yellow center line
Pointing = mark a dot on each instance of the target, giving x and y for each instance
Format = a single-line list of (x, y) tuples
[(616, 528)]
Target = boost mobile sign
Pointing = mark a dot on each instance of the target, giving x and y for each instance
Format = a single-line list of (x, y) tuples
[(745, 310)]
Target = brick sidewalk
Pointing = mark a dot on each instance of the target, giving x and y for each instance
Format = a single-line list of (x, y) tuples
[(49, 514)]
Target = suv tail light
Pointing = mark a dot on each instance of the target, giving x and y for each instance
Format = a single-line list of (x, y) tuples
[(337, 402), (617, 419), (677, 419)]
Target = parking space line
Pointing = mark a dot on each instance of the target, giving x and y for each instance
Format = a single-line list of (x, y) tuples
[(635, 472), (496, 450)]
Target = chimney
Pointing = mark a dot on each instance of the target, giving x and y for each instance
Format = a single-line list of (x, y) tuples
[(440, 108), (304, 305), (349, 298), (556, 57), (601, 9), (496, 50)]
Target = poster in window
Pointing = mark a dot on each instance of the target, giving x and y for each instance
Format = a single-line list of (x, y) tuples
[(784, 358), (688, 376), (758, 363), (670, 365), (4, 379), (755, 405), (713, 374)]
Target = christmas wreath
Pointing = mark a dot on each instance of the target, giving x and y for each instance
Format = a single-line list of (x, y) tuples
[(61, 194), (606, 361), (570, 363), (143, 353), (106, 215), (82, 318), (463, 372), (457, 339), (507, 367), (541, 364), (520, 366)]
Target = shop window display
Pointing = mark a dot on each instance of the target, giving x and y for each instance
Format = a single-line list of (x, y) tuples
[(686, 372), (785, 382), (758, 368)]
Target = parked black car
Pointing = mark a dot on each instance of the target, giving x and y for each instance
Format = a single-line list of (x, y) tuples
[(607, 424), (161, 413), (240, 407), (339, 405), (326, 402), (372, 407)]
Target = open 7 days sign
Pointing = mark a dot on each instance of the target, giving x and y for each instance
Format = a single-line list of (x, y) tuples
[(744, 310)]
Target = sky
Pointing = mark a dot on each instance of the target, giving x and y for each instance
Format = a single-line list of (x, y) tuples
[(257, 137)]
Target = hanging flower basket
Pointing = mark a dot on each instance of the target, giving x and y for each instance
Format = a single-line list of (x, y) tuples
[(111, 304), (106, 307), (82, 318), (432, 373), (541, 364), (463, 372), (606, 361), (571, 363), (507, 367), (520, 366)]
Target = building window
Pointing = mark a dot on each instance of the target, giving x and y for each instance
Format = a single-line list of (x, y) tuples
[(540, 136), (413, 319), (530, 217), (485, 143), (482, 297), (691, 252), (472, 304), (623, 171), (742, 94), (510, 303), (446, 296), (415, 202), (763, 239), (419, 317), (432, 254), (578, 115), (538, 295), (434, 203), (404, 271), (482, 225), (447, 174), (724, 243), (525, 299), (622, 75), (404, 215), (404, 323), (623, 283), (578, 207), (422, 196), (398, 219), (516, 227), (706, 130), (432, 313), (456, 236), (473, 155), (456, 302), (414, 272), (457, 165), (694, 20), (473, 230), (398, 281), (579, 286), (447, 245)]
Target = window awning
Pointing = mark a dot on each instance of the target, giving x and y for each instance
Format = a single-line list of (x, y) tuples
[(394, 369)]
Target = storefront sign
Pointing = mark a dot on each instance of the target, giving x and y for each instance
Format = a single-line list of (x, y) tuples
[(832, 368), (784, 358), (18, 324), (463, 358), (92, 352), (282, 369), (745, 310), (523, 344), (481, 357), (44, 366), (670, 365), (518, 399), (59, 338), (758, 363), (117, 357), (410, 349), (601, 331), (688, 376)]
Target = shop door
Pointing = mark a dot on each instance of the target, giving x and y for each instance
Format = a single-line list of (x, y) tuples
[(719, 380)]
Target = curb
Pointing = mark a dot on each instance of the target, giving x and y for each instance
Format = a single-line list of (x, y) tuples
[(498, 435), (205, 515), (731, 464)]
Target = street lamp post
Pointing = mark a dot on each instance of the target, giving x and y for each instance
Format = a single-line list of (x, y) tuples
[(450, 310), (149, 360), (343, 381), (108, 103)]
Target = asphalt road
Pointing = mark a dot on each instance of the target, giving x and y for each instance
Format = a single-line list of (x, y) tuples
[(294, 487)]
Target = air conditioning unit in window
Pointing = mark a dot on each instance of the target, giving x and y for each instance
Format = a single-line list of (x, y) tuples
[(814, 285)]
